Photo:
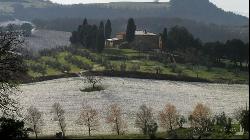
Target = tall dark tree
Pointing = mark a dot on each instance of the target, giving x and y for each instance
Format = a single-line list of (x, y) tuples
[(100, 38), (108, 29), (83, 32), (164, 38), (130, 32), (74, 39), (85, 22), (247, 55), (236, 51), (12, 68), (215, 50), (92, 37), (180, 38)]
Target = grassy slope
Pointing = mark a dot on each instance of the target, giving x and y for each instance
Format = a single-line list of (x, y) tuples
[(134, 57)]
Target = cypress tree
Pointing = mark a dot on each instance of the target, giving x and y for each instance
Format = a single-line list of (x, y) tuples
[(92, 37), (74, 38), (84, 30), (164, 38), (100, 38), (108, 29), (130, 32), (85, 22)]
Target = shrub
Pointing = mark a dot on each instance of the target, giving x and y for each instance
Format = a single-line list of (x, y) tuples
[(12, 129), (152, 129)]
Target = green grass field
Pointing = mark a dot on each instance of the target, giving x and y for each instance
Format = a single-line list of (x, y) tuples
[(132, 57)]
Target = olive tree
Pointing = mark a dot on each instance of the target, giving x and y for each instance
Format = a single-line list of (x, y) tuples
[(90, 78)]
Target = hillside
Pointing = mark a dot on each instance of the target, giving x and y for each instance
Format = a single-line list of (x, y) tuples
[(47, 39), (206, 32), (7, 7), (198, 10)]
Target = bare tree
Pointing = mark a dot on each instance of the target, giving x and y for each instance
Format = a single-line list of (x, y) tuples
[(114, 118), (59, 116), (169, 117), (11, 68), (89, 118), (91, 79), (144, 119), (34, 119), (201, 119)]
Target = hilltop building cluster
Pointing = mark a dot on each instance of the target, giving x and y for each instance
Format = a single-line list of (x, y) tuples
[(143, 40)]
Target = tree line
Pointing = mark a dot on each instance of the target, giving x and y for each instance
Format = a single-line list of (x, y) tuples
[(202, 122), (91, 36), (179, 41)]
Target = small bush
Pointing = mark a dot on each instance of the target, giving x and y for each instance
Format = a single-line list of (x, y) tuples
[(92, 89), (12, 129)]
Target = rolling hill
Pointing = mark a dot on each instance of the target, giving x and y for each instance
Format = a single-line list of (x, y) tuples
[(198, 10), (201, 17)]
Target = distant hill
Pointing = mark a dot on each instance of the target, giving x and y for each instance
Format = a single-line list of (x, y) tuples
[(206, 32), (200, 17), (198, 10)]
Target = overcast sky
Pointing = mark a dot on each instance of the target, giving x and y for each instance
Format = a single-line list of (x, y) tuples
[(237, 6)]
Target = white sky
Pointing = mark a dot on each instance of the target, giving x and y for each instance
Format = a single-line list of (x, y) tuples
[(237, 6)]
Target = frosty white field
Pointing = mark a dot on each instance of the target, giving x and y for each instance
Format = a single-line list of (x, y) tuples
[(130, 94)]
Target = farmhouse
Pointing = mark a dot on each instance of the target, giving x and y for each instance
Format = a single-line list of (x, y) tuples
[(113, 42), (146, 41), (143, 40)]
